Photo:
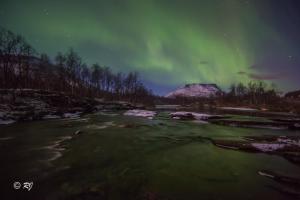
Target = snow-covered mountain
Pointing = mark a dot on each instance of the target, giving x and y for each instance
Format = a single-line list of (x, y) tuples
[(196, 90)]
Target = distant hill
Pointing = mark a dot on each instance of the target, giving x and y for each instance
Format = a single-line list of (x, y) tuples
[(293, 94), (196, 90)]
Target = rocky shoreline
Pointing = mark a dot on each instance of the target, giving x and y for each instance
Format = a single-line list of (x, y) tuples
[(29, 104), (285, 146), (292, 124)]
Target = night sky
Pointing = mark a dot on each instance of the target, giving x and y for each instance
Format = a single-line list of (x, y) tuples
[(169, 42)]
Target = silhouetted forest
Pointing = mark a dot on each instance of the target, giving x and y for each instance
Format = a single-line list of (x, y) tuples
[(23, 67), (254, 93)]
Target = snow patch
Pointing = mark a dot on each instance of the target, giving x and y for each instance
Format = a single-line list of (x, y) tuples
[(197, 116), (51, 117), (6, 138), (141, 113), (72, 115), (195, 90), (266, 174), (107, 114), (56, 149), (266, 147), (6, 121)]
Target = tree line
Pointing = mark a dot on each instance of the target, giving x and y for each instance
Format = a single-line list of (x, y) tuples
[(254, 93), (22, 67)]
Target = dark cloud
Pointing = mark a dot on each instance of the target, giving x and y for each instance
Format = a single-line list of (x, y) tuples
[(262, 76), (241, 72), (203, 62), (265, 76), (254, 67)]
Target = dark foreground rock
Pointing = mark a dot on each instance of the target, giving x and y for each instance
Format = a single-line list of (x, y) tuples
[(288, 185), (280, 177), (29, 104)]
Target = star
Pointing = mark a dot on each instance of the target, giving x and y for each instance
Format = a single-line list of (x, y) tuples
[(46, 12)]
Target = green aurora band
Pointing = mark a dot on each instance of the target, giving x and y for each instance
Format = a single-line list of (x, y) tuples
[(168, 42)]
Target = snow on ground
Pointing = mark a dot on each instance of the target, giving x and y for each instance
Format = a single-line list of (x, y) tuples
[(107, 113), (141, 113), (2, 114), (7, 121), (280, 143), (197, 116), (268, 147), (4, 120), (6, 138), (56, 149), (265, 174), (238, 108), (51, 117), (72, 115)]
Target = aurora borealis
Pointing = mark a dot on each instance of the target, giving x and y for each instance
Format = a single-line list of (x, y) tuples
[(169, 42)]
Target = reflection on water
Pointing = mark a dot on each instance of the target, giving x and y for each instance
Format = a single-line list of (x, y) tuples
[(122, 157)]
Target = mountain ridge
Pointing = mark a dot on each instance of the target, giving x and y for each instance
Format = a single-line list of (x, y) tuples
[(196, 90)]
